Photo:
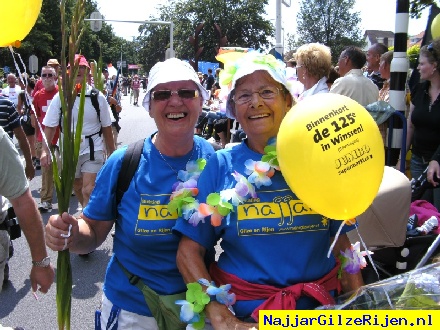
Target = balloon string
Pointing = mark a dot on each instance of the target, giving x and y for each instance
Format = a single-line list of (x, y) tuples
[(28, 98), (335, 239), (372, 264)]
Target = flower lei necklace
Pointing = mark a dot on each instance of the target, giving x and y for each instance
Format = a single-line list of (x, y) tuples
[(218, 206)]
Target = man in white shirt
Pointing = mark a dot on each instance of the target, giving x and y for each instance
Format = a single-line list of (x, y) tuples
[(96, 129), (352, 82), (12, 90)]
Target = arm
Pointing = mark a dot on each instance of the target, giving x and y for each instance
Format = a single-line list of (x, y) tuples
[(191, 265), (45, 158), (108, 139), (349, 282), (26, 149), (32, 225), (20, 105), (86, 234)]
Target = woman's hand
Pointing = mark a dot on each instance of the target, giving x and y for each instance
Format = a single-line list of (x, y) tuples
[(221, 318), (433, 172), (60, 231)]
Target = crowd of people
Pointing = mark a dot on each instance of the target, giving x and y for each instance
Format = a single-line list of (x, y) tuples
[(185, 196)]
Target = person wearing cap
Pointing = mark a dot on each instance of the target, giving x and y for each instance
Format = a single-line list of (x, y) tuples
[(274, 247), (143, 242), (96, 130)]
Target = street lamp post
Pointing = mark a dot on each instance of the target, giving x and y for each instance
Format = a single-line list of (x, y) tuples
[(171, 50)]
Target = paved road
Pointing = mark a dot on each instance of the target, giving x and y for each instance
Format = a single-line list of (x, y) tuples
[(17, 305)]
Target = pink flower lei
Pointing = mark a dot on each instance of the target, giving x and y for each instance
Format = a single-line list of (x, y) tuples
[(219, 205)]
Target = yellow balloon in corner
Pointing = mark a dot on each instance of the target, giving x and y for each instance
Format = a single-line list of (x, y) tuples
[(18, 18), (331, 154), (435, 27)]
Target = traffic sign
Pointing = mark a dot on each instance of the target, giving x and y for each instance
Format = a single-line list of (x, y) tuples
[(96, 26), (33, 64), (124, 64)]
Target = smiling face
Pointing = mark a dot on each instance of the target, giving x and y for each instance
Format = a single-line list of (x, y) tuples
[(48, 77), (261, 118), (176, 116)]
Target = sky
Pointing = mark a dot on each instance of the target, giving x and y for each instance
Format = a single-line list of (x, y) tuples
[(375, 15)]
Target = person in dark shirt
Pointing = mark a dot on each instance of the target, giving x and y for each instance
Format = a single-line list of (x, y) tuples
[(10, 121), (210, 80)]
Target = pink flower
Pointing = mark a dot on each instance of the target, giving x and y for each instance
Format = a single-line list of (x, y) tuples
[(259, 172)]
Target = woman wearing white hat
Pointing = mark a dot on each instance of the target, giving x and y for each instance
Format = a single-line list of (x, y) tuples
[(143, 243), (274, 246)]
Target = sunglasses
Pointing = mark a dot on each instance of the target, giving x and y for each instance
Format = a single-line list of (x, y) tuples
[(431, 49), (162, 95), (45, 75)]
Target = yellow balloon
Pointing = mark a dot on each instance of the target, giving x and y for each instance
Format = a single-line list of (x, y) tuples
[(331, 154), (435, 27), (19, 16)]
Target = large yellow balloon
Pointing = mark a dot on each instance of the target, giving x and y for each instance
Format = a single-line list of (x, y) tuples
[(18, 18), (331, 154), (435, 27)]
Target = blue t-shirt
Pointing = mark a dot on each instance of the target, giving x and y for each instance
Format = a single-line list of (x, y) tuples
[(274, 239), (143, 242)]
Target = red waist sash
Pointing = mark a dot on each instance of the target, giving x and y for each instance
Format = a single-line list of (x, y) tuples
[(276, 298)]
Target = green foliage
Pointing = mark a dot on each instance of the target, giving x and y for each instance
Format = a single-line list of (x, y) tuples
[(242, 22), (332, 23), (416, 7), (64, 174), (413, 53)]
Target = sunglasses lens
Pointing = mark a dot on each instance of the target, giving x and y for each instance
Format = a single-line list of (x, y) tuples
[(161, 95), (44, 75), (187, 93)]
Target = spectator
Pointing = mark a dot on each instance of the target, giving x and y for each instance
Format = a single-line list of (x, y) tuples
[(210, 80), (423, 136), (373, 62), (314, 63), (352, 82)]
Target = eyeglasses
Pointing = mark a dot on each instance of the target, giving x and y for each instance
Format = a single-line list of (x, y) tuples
[(47, 75), (162, 95), (266, 93), (431, 49)]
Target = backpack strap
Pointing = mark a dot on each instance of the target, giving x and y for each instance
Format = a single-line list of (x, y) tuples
[(130, 163), (94, 98)]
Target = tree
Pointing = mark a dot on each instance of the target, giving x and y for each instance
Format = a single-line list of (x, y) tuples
[(416, 6), (242, 22), (330, 22), (44, 39)]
